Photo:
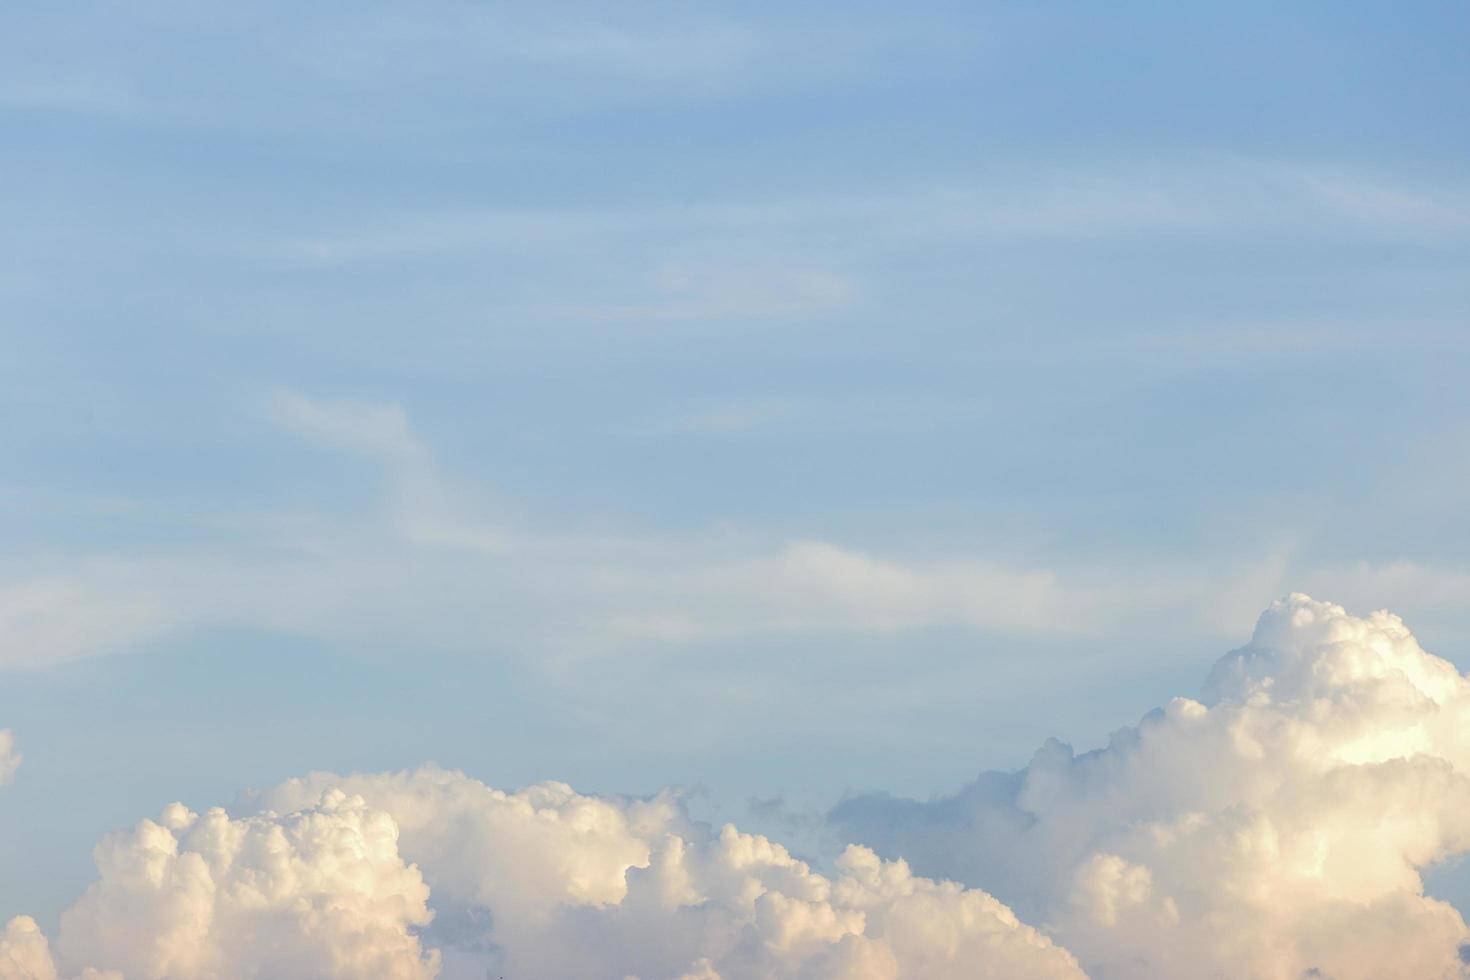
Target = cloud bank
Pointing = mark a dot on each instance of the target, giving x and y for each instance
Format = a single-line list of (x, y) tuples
[(1275, 828), (320, 892), (543, 882)]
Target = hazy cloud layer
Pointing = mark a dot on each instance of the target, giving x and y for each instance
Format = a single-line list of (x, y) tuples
[(428, 548), (308, 573)]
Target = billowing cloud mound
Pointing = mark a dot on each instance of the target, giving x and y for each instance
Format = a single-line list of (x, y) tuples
[(542, 883), (24, 952), (1275, 828), (26, 955), (320, 892), (567, 886)]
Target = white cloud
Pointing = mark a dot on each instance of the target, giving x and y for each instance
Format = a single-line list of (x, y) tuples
[(542, 883), (573, 886), (819, 585), (95, 606), (1276, 827), (379, 430), (24, 952), (317, 893)]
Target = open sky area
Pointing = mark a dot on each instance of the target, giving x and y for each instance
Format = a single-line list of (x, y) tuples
[(793, 409)]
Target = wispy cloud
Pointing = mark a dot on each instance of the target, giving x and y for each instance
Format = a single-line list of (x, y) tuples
[(724, 292), (1376, 202), (94, 606), (823, 240), (437, 554), (338, 58), (431, 555)]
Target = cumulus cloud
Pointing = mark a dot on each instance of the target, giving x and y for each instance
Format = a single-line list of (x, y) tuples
[(1275, 827), (26, 955), (567, 885), (24, 952), (541, 883), (320, 892)]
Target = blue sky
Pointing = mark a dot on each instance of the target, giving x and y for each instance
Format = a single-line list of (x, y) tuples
[(781, 400)]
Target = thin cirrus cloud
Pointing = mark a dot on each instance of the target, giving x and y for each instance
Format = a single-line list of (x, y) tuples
[(343, 64), (92, 606), (1277, 827), (308, 574), (1200, 197), (363, 53), (431, 548)]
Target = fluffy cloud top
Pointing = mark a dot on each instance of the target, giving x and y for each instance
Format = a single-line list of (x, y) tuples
[(541, 883), (26, 955), (569, 886), (24, 952), (1274, 828), (321, 892)]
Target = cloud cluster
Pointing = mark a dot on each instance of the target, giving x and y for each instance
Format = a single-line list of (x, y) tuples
[(540, 883), (549, 883), (320, 892), (24, 952), (1276, 827)]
